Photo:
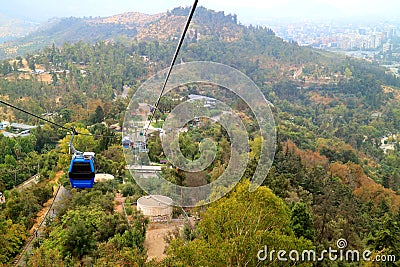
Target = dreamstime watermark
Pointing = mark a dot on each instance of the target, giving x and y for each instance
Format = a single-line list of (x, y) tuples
[(340, 253), (207, 103)]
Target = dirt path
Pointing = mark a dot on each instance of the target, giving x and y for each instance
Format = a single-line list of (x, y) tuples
[(118, 200), (155, 242), (155, 234)]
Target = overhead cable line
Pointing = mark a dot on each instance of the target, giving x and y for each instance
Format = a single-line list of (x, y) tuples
[(52, 122), (33, 115), (178, 48)]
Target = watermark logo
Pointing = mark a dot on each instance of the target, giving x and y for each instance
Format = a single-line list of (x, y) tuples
[(206, 103), (341, 243), (331, 254)]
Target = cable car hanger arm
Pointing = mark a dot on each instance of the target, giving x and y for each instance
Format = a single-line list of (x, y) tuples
[(70, 145)]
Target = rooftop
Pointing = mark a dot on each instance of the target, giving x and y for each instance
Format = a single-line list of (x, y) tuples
[(155, 201), (22, 126), (200, 97)]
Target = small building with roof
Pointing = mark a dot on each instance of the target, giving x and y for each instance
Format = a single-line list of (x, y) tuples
[(4, 124), (22, 127), (208, 101)]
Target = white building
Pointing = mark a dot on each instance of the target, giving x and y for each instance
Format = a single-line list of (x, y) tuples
[(2, 198), (4, 124), (156, 207)]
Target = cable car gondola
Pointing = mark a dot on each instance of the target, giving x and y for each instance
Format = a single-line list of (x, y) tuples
[(126, 142), (82, 169)]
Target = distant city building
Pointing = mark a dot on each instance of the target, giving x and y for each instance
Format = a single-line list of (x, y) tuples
[(337, 35), (362, 31), (21, 134), (386, 48)]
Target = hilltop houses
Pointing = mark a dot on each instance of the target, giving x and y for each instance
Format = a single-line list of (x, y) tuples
[(4, 124), (17, 129), (208, 101)]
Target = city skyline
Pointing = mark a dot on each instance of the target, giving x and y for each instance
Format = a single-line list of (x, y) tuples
[(251, 11)]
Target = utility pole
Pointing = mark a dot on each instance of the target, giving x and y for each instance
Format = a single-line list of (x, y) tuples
[(38, 173)]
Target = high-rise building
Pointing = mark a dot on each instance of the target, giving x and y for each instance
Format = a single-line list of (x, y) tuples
[(362, 31)]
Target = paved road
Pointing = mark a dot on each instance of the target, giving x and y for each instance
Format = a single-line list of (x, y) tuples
[(28, 183)]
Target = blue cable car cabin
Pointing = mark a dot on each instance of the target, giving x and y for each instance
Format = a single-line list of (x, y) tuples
[(126, 143), (82, 170)]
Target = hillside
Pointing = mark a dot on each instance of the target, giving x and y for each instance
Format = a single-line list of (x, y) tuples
[(126, 26), (11, 28), (59, 31), (130, 18)]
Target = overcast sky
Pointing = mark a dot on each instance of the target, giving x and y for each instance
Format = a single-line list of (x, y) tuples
[(248, 11)]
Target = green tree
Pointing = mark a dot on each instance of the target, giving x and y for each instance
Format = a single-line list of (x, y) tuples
[(109, 256), (98, 115), (12, 237), (348, 73), (66, 115), (189, 148), (386, 238), (10, 161), (22, 207), (301, 221), (233, 230)]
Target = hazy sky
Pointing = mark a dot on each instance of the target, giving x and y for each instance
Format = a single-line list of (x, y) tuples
[(247, 10)]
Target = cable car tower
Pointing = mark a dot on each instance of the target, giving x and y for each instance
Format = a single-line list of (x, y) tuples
[(139, 142), (137, 131)]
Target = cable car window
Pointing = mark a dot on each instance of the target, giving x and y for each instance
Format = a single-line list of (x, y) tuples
[(81, 167)]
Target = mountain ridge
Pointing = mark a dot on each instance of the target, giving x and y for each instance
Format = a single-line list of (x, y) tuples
[(12, 28), (161, 26), (127, 18)]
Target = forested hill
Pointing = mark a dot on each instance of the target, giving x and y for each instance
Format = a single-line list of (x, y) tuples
[(63, 30), (164, 26)]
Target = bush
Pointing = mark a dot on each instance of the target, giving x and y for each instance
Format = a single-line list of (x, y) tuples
[(129, 209)]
